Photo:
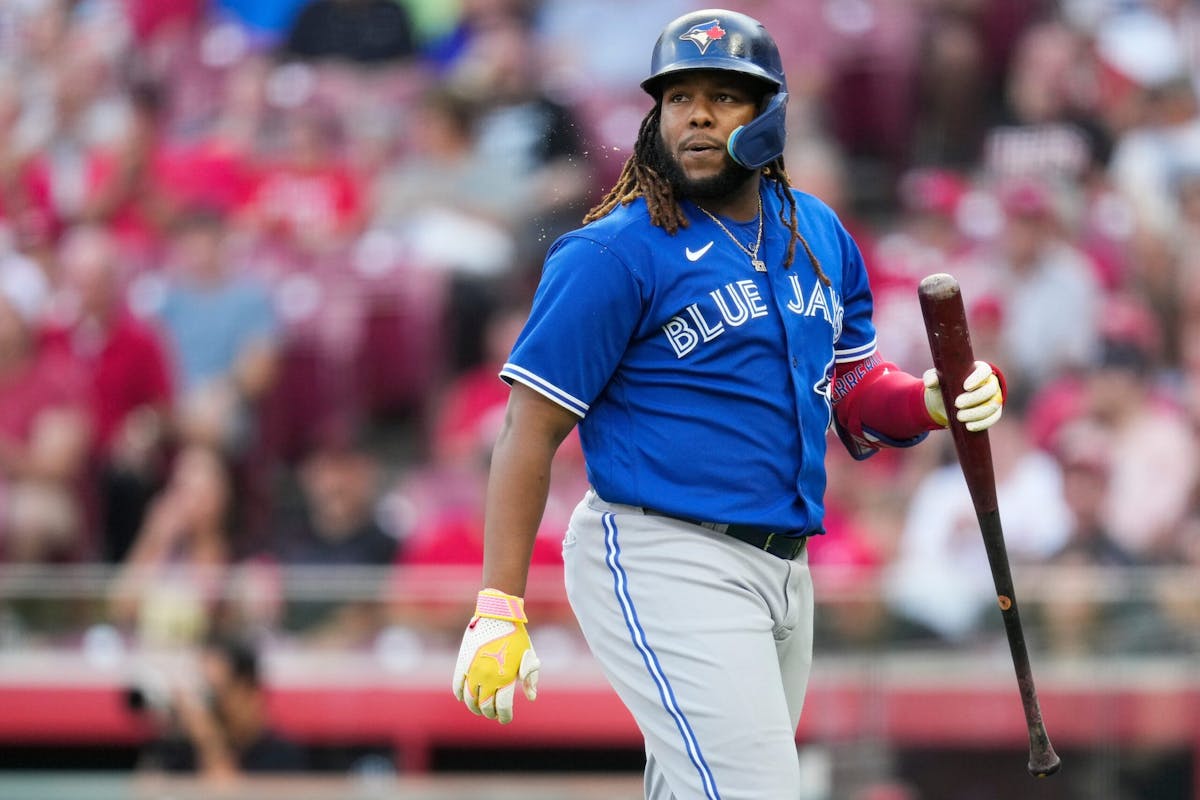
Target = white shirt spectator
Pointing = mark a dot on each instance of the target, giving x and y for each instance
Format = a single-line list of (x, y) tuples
[(940, 577)]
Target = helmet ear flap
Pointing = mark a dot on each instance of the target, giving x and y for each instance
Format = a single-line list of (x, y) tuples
[(761, 141)]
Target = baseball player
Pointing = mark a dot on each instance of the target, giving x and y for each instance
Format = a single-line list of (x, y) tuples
[(705, 328)]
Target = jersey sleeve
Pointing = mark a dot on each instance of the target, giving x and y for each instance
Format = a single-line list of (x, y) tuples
[(856, 337), (585, 311)]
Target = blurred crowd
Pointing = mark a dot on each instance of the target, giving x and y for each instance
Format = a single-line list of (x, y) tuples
[(260, 263)]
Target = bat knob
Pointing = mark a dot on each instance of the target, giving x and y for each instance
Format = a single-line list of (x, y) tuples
[(939, 286), (1044, 764)]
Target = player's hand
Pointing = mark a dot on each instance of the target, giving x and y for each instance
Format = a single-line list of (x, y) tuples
[(979, 405), (495, 655)]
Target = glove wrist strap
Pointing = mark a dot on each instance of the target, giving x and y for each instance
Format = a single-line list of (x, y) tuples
[(495, 604)]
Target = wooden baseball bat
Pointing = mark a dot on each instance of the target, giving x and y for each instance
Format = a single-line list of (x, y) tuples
[(950, 345)]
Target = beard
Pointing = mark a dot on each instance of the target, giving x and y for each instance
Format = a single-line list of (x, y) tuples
[(729, 180)]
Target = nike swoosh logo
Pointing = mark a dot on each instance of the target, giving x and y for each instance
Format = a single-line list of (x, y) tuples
[(696, 255)]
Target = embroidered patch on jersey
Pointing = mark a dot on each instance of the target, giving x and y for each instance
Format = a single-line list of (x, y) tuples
[(704, 34)]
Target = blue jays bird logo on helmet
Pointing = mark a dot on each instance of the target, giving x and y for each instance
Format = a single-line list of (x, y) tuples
[(704, 34)]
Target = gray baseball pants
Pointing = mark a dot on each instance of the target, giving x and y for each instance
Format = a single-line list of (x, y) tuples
[(707, 641)]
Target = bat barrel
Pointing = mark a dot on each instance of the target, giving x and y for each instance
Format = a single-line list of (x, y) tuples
[(950, 345)]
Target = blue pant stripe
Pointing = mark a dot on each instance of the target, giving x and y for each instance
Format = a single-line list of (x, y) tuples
[(638, 637)]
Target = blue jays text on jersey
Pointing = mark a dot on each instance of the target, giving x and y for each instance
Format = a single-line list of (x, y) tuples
[(734, 304), (690, 370)]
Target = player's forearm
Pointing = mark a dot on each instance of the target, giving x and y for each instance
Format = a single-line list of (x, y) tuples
[(877, 395), (895, 406), (517, 492), (518, 486)]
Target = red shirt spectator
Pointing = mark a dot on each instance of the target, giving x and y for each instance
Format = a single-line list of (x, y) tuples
[(124, 357), (309, 197), (43, 429), (126, 365), (128, 388), (292, 200), (45, 380)]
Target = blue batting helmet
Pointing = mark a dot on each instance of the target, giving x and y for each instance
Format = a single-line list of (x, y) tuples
[(726, 40)]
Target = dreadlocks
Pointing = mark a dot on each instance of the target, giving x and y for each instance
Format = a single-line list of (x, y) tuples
[(640, 178)]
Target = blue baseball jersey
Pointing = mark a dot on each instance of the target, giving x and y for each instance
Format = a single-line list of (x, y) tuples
[(702, 385)]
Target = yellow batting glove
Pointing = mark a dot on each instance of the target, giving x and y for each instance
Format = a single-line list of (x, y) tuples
[(495, 654), (979, 406)]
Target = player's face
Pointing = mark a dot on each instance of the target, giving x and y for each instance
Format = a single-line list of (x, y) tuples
[(700, 110)]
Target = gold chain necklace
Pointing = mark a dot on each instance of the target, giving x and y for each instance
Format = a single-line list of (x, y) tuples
[(755, 261)]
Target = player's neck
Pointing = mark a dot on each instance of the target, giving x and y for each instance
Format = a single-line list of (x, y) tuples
[(740, 206)]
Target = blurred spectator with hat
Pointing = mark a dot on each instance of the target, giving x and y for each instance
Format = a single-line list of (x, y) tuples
[(219, 725), (1048, 128), (1140, 425), (332, 522), (337, 523), (925, 239), (1158, 131), (1077, 614), (1048, 289), (1142, 53), (1082, 452), (450, 209), (1052, 131), (524, 132)]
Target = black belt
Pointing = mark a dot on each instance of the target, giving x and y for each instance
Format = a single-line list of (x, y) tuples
[(781, 545)]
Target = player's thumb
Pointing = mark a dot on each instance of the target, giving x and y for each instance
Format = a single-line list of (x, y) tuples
[(528, 673), (933, 398)]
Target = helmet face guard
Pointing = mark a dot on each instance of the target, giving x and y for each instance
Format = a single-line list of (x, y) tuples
[(715, 39)]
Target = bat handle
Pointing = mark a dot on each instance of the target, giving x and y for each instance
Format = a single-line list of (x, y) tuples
[(950, 345)]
